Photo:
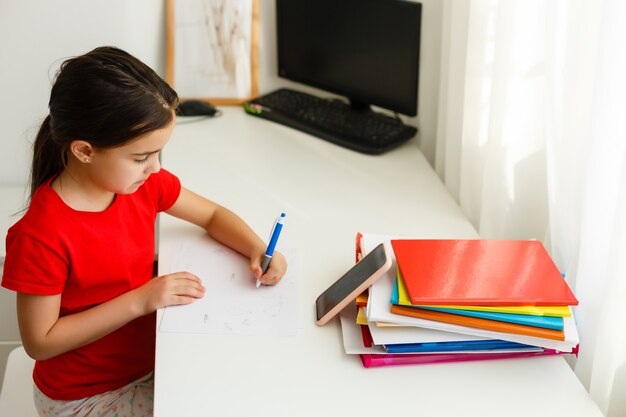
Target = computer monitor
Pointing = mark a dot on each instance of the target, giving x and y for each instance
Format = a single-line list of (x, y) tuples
[(365, 50)]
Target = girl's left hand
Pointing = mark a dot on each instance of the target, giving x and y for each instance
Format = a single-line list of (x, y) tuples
[(276, 270)]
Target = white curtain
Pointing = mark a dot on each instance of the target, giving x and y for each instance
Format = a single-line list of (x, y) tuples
[(532, 143)]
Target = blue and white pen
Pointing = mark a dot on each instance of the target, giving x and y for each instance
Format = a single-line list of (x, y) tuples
[(278, 226)]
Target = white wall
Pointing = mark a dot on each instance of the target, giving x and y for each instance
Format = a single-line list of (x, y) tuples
[(37, 35)]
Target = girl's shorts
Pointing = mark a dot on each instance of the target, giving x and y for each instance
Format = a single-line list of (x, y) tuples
[(133, 400)]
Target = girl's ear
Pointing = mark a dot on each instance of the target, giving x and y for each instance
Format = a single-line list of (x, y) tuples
[(82, 150)]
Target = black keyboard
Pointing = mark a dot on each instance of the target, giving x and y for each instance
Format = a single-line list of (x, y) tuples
[(333, 120)]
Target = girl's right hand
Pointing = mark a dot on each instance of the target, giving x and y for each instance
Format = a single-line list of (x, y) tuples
[(166, 290)]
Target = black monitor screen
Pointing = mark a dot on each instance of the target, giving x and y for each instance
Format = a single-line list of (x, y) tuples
[(366, 50)]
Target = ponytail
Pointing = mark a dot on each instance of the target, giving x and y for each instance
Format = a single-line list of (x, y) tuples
[(48, 157)]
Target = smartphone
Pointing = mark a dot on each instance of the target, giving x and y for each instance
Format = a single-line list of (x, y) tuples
[(352, 283)]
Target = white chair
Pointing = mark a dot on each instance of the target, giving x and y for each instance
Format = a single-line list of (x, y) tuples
[(16, 397)]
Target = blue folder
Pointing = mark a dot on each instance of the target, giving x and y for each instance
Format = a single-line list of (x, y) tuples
[(477, 345)]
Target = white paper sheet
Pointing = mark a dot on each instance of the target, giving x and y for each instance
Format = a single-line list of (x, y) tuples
[(396, 335), (351, 333), (232, 304), (353, 340)]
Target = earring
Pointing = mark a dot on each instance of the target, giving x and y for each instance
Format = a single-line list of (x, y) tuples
[(86, 159)]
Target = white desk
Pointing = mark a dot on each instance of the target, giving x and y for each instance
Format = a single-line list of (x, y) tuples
[(258, 168)]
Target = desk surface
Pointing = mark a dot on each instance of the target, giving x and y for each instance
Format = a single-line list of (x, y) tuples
[(258, 169)]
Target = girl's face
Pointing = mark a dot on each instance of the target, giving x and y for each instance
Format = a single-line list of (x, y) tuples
[(124, 169)]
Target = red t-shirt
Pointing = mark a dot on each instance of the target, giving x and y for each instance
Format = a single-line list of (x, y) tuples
[(90, 258)]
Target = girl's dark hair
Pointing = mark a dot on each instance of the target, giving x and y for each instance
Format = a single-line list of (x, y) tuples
[(106, 97)]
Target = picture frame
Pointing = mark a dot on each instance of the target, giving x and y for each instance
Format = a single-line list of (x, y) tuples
[(212, 50)]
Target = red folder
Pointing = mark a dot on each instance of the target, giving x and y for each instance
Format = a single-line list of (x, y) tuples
[(480, 272)]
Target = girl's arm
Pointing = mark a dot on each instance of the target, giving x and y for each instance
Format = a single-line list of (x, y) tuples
[(226, 227), (45, 334)]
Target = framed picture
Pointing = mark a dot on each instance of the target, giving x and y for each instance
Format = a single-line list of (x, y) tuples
[(212, 49)]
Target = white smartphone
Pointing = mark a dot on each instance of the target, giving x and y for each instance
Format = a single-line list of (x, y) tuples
[(352, 283)]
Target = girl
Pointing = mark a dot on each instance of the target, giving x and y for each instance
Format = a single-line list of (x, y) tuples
[(81, 257)]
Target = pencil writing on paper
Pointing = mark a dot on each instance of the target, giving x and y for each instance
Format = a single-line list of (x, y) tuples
[(278, 226)]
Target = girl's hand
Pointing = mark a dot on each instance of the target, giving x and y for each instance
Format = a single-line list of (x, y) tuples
[(276, 270), (172, 289)]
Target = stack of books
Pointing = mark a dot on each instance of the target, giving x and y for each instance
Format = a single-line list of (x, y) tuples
[(458, 300)]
